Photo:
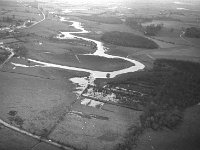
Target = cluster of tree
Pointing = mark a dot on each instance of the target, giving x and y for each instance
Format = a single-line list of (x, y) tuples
[(27, 11), (34, 4), (133, 23), (181, 88), (3, 56), (8, 19), (29, 23), (176, 83), (136, 22), (156, 118), (4, 34), (177, 87), (21, 51), (101, 19), (192, 32), (152, 30), (2, 26), (124, 98), (130, 139), (128, 40)]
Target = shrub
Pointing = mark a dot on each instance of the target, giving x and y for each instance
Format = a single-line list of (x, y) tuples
[(155, 117), (192, 32), (130, 139), (21, 51), (153, 29)]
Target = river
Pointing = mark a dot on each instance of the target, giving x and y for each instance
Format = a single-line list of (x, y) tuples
[(100, 51)]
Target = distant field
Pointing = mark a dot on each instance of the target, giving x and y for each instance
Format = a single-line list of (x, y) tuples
[(128, 40), (100, 19), (9, 3)]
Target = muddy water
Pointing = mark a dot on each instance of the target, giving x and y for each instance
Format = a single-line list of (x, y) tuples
[(101, 51)]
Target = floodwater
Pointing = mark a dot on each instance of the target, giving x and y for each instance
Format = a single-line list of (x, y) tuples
[(101, 51)]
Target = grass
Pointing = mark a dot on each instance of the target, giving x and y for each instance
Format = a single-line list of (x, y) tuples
[(104, 64), (91, 62), (128, 40)]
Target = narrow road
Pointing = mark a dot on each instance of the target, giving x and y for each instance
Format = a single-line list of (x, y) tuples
[(34, 136)]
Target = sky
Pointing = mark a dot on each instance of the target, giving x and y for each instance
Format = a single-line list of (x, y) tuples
[(141, 1), (105, 2)]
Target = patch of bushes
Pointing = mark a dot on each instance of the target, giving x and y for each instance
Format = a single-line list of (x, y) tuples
[(17, 120), (136, 22), (152, 30), (130, 139), (12, 113), (128, 40), (176, 87), (8, 19), (21, 51), (4, 34), (157, 118), (182, 85), (151, 118), (192, 32), (3, 56), (174, 83)]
